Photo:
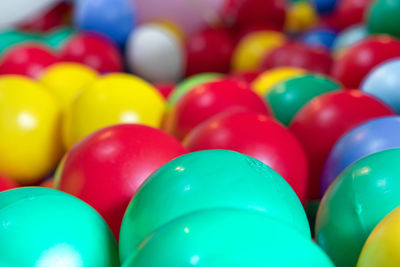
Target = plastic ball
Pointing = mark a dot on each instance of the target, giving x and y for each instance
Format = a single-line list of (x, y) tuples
[(155, 54), (29, 128), (301, 16), (300, 56), (27, 59), (383, 16), (355, 203), (209, 50), (325, 6), (112, 99), (57, 38), (185, 185), (6, 183), (320, 38), (52, 17), (113, 18), (321, 122), (107, 168), (356, 62), (196, 237), (165, 88), (382, 245), (349, 37), (190, 16), (94, 50), (288, 97), (66, 80), (188, 84), (383, 82), (9, 38), (368, 138), (351, 12), (210, 99), (250, 51), (268, 79), (257, 136), (259, 12), (51, 228)]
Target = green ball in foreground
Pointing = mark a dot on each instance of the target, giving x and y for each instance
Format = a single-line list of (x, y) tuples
[(206, 180), (383, 17), (355, 203), (227, 237), (46, 227), (288, 97)]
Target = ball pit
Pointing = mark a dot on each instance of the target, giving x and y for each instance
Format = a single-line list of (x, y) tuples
[(143, 108)]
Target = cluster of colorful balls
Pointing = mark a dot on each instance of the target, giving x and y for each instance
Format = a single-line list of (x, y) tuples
[(202, 132)]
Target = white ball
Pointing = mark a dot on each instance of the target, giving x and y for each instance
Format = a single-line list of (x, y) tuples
[(155, 54)]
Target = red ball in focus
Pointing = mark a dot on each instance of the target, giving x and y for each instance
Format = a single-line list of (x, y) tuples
[(321, 122), (94, 50), (27, 59), (301, 56), (165, 88), (210, 99), (6, 183), (257, 136), (54, 17), (357, 61), (107, 168), (209, 50)]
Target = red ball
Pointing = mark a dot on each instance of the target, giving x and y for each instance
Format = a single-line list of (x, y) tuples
[(6, 183), (210, 99), (209, 50), (250, 12), (27, 59), (245, 30), (301, 56), (257, 136), (356, 62), (321, 122), (52, 18), (165, 88), (107, 168), (94, 50), (351, 12)]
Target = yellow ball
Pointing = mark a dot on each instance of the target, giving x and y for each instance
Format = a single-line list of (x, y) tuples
[(253, 48), (383, 244), (67, 80), (112, 99), (300, 17), (268, 79), (30, 143)]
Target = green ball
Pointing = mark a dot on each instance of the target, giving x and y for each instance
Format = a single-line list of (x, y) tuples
[(57, 38), (188, 84), (205, 180), (46, 227), (384, 17), (288, 97), (12, 37), (227, 237), (355, 203)]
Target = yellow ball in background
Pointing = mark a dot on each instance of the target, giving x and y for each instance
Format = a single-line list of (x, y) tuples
[(300, 16), (30, 134), (383, 244), (112, 99), (252, 49), (66, 80), (268, 79)]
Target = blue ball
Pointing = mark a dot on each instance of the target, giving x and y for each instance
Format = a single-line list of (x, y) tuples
[(368, 138), (325, 6), (321, 38), (383, 82), (113, 18)]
